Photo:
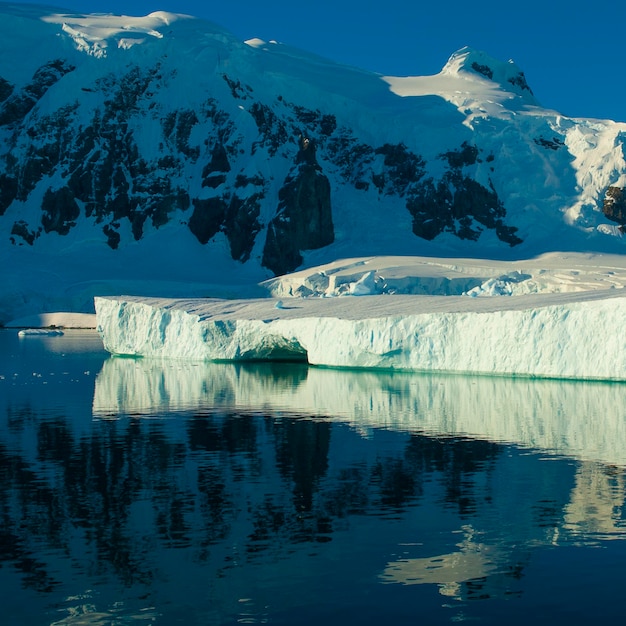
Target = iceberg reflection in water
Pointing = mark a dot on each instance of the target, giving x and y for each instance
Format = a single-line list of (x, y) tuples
[(583, 420), (576, 420), (166, 492)]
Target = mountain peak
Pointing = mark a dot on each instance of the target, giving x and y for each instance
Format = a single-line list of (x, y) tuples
[(507, 74), (126, 142)]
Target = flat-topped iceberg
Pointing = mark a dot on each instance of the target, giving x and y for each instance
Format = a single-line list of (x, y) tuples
[(548, 333)]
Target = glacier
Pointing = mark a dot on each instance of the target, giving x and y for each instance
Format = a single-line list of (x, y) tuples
[(566, 328)]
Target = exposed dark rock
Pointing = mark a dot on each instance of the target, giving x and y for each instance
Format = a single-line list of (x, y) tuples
[(280, 254), (243, 181), (467, 155), (471, 199), (207, 218), (507, 233), (430, 208), (17, 106), (60, 211), (614, 205), (237, 89), (15, 109), (219, 159), (137, 220), (553, 144), (213, 173), (485, 70), (20, 229), (461, 209), (455, 204), (520, 81), (102, 173), (51, 141), (47, 75), (126, 92), (221, 121), (168, 162), (6, 89), (379, 181), (8, 192), (328, 124), (83, 182), (316, 122), (353, 158), (117, 202), (109, 175), (112, 180), (163, 202), (214, 180), (306, 153), (402, 169), (304, 216), (101, 162), (271, 128), (306, 116), (241, 225), (113, 237), (458, 204), (177, 128)]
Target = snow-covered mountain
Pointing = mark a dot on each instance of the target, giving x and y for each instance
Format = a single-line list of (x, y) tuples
[(161, 155)]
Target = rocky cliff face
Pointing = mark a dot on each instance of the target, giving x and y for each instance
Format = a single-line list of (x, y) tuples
[(245, 150), (103, 175), (304, 218), (614, 206)]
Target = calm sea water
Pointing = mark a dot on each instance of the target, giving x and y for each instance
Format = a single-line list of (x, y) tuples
[(138, 491)]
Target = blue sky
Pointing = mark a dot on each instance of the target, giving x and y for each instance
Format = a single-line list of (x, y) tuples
[(573, 54)]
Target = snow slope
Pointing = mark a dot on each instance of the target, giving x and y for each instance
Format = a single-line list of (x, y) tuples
[(106, 177)]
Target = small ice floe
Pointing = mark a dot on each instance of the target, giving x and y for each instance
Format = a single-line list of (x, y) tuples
[(25, 332), (279, 305)]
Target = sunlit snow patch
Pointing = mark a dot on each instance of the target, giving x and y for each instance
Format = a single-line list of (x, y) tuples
[(94, 33), (477, 84), (54, 320)]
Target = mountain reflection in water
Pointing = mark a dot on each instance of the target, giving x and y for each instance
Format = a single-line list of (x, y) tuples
[(144, 490)]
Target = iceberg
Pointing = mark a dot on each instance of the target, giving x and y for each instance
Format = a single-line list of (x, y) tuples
[(556, 329), (39, 332)]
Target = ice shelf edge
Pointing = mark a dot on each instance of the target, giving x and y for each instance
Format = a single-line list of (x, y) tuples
[(578, 339)]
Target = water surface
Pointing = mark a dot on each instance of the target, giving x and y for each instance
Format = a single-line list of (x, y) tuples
[(164, 492)]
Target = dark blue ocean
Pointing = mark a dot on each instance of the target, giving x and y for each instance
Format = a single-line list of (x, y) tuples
[(137, 491)]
